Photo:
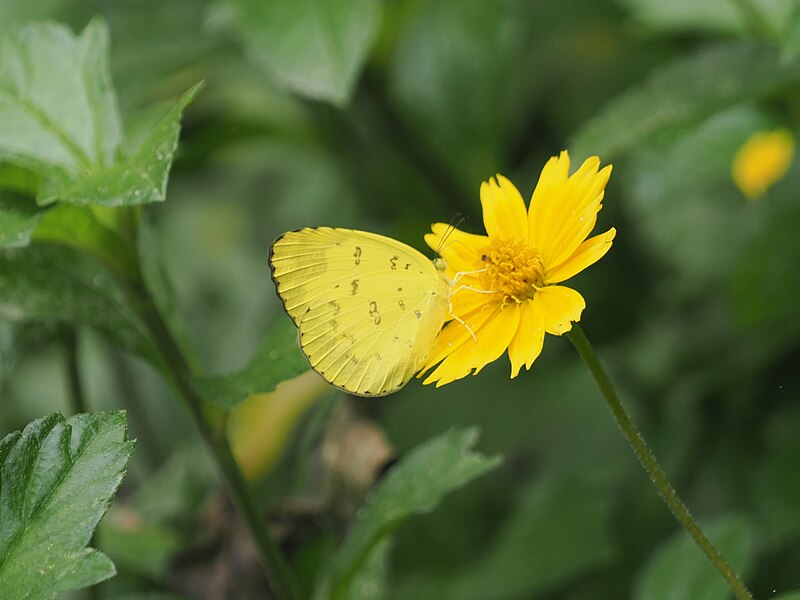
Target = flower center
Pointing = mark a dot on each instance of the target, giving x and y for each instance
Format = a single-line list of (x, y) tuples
[(513, 269)]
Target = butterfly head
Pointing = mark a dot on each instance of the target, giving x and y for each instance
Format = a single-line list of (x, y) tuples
[(440, 264)]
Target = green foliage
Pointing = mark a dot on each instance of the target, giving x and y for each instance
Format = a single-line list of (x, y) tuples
[(278, 359), (415, 486), (682, 93), (56, 91), (386, 116), (57, 478), (315, 49), (679, 570), (52, 283)]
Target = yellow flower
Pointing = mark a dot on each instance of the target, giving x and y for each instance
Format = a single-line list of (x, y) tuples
[(505, 292), (761, 161)]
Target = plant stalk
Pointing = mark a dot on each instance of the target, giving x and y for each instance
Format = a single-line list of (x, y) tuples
[(211, 424), (651, 466), (75, 393)]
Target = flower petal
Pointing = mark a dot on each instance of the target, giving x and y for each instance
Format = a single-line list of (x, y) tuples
[(574, 226), (459, 249), (560, 307), (493, 338), (527, 343), (563, 209), (464, 298), (554, 176), (454, 335), (504, 213), (588, 253)]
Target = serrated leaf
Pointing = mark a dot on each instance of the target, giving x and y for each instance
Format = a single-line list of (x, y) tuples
[(57, 283), (678, 569), (314, 48), (693, 88), (59, 118), (57, 478), (415, 486), (279, 358), (141, 178)]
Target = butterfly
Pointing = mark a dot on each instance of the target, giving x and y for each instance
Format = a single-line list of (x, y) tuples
[(368, 308)]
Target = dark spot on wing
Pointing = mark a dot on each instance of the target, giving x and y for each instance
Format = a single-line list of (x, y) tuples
[(393, 262), (357, 255), (401, 304), (418, 314), (354, 287), (373, 312)]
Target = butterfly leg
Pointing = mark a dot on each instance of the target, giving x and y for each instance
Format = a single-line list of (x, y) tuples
[(461, 274), (460, 320)]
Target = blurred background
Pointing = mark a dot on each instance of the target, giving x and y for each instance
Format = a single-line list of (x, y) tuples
[(386, 116)]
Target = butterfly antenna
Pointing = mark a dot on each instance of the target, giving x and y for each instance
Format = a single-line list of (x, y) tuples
[(451, 227)]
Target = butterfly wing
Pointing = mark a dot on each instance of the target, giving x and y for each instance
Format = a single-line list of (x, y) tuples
[(368, 307)]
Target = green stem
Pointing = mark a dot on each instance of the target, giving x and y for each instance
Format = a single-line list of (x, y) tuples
[(211, 424), (651, 466), (77, 399)]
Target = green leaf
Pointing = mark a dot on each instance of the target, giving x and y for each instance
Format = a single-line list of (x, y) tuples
[(459, 76), (57, 106), (691, 89), (138, 179), (678, 569), (57, 478), (59, 118), (720, 16), (278, 359), (575, 511), (18, 219), (415, 486), (790, 43), (57, 283), (79, 226), (314, 48)]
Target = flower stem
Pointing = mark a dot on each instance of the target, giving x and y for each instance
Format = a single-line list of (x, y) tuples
[(651, 466), (77, 399), (211, 424)]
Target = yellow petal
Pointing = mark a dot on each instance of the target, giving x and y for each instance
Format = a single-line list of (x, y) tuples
[(574, 212), (577, 224), (492, 340), (763, 159), (503, 209), (459, 249), (454, 335), (560, 307), (554, 176), (527, 343), (588, 253), (465, 300)]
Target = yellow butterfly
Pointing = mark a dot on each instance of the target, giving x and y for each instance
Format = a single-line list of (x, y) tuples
[(368, 308)]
